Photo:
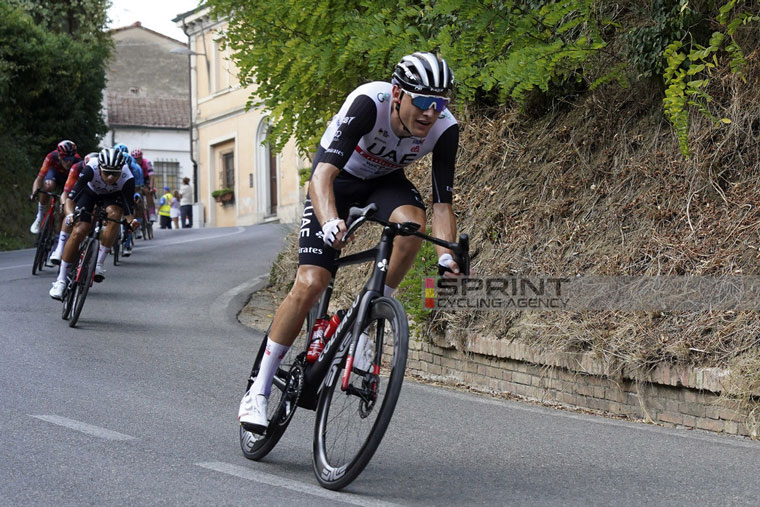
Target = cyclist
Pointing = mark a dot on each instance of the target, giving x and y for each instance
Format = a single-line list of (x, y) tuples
[(74, 172), (134, 167), (380, 129), (52, 176), (105, 180), (148, 190)]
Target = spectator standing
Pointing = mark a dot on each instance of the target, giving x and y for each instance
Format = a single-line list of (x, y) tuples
[(174, 211), (186, 204), (164, 211)]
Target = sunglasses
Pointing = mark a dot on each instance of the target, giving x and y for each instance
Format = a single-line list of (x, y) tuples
[(110, 172), (425, 102)]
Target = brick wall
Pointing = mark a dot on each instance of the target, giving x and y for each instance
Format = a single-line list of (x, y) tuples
[(688, 397)]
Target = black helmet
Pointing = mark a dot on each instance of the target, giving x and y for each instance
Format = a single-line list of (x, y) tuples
[(423, 73), (110, 159)]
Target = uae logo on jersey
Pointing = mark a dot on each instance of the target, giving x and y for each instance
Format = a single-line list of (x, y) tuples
[(382, 132)]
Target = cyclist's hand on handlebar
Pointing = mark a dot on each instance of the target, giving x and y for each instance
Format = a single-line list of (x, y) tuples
[(448, 267), (332, 233)]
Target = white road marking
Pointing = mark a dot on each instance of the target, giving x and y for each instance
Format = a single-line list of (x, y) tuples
[(191, 240), (88, 429), (280, 482), (27, 265)]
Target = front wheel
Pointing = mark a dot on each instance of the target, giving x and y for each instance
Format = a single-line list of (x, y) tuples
[(351, 422), (83, 281), (44, 244)]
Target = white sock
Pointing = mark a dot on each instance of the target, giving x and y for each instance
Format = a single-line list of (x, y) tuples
[(40, 211), (62, 237), (388, 291), (269, 364), (102, 254), (63, 271)]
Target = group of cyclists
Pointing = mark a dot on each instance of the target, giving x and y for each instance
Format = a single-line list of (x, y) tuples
[(381, 128), (113, 178)]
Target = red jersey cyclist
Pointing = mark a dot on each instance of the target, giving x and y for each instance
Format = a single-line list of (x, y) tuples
[(52, 176)]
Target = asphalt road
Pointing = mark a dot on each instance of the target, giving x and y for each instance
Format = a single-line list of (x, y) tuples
[(138, 405)]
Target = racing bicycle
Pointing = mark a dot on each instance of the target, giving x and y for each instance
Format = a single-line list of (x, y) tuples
[(354, 403), (46, 236), (82, 275)]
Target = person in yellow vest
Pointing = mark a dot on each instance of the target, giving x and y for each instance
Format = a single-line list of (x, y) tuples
[(165, 210)]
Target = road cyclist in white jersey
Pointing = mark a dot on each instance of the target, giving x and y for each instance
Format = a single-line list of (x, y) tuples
[(105, 181), (380, 129)]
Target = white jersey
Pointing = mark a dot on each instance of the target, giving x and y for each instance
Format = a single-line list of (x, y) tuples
[(380, 151)]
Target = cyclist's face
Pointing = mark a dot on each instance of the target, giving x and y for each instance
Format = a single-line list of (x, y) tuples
[(67, 162), (418, 121), (110, 177)]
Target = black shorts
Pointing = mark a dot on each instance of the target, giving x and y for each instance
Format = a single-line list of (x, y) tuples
[(387, 192), (87, 200)]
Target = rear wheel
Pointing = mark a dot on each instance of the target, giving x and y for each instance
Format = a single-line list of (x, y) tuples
[(286, 387), (351, 423), (83, 281)]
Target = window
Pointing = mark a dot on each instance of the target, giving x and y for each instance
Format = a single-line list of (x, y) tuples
[(228, 168), (166, 174)]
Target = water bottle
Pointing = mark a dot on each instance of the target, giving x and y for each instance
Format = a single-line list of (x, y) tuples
[(317, 340)]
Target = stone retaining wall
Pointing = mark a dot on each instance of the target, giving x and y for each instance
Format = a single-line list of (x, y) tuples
[(687, 397)]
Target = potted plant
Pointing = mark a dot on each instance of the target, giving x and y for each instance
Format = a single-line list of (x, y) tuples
[(223, 195)]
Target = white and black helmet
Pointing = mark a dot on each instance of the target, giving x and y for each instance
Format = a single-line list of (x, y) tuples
[(423, 73), (110, 159)]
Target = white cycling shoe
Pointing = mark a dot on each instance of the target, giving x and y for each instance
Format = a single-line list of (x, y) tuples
[(253, 413), (35, 228), (55, 258), (127, 252), (100, 273), (56, 291)]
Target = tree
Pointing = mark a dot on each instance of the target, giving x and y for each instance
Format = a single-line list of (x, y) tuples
[(51, 88)]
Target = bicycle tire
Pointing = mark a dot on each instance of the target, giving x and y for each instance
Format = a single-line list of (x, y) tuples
[(43, 245), (68, 301), (116, 247), (256, 447), (150, 230), (82, 285), (344, 419)]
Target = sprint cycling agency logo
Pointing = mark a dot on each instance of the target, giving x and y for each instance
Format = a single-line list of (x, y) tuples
[(584, 293)]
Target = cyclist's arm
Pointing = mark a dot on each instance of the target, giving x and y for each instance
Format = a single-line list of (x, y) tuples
[(321, 191), (84, 178), (127, 193), (444, 159), (41, 175), (361, 116)]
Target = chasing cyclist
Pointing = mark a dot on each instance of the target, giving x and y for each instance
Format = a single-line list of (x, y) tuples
[(380, 129), (74, 172), (148, 177), (52, 176), (105, 180)]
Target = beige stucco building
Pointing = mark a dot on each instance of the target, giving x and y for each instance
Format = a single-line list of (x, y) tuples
[(227, 140)]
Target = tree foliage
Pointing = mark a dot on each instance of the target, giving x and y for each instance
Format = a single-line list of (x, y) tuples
[(51, 88), (305, 57)]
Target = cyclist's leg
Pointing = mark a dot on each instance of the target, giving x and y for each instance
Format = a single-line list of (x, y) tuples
[(313, 276), (115, 212), (86, 201), (63, 237), (398, 200)]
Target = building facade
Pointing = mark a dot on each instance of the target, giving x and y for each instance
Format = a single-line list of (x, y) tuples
[(229, 142), (147, 102)]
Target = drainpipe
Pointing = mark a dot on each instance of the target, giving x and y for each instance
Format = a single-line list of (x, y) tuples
[(190, 118)]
